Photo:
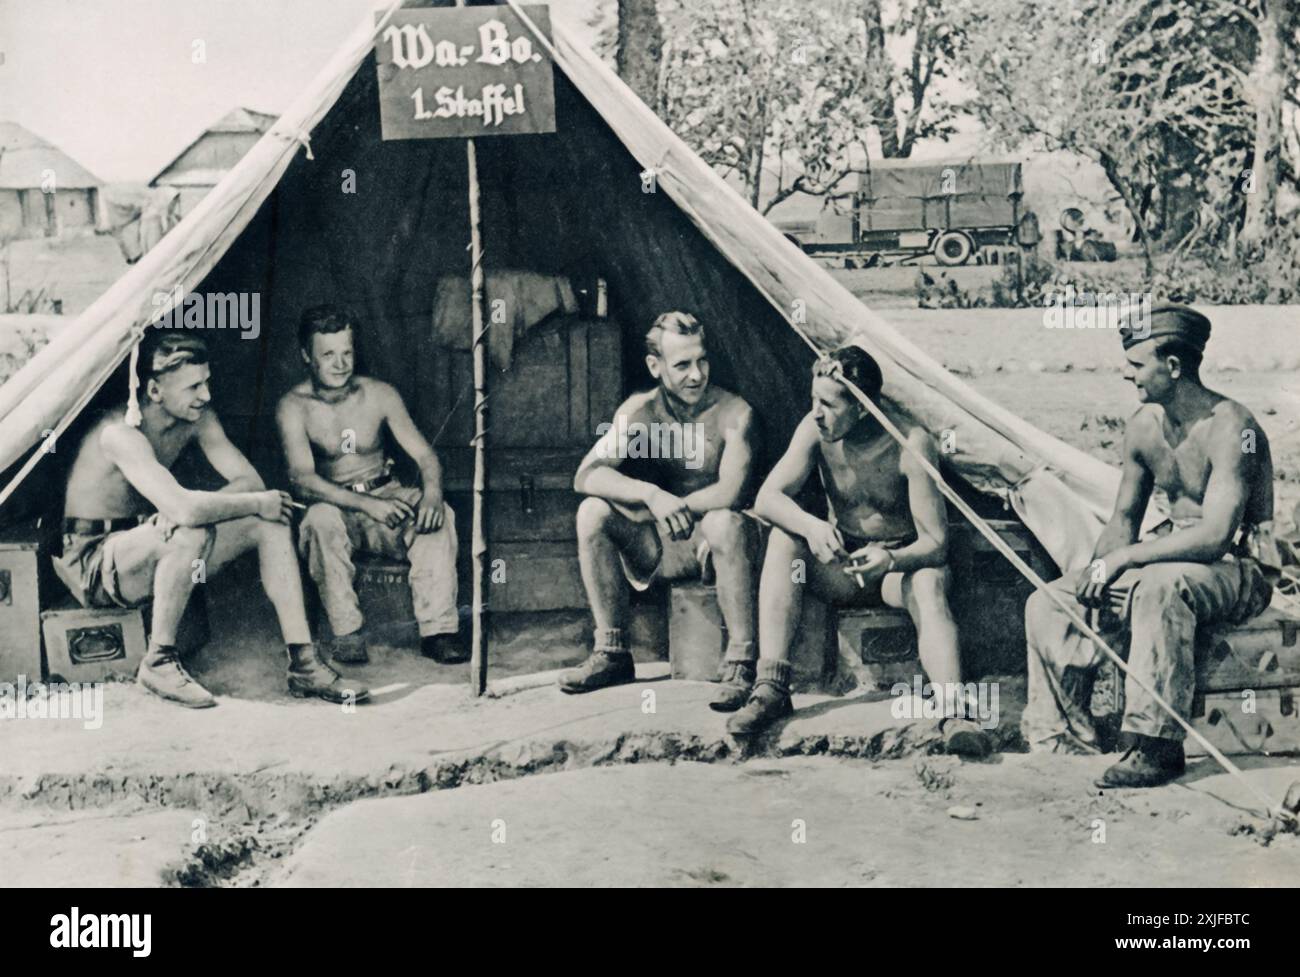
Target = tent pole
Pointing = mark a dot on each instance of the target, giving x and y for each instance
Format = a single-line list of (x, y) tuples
[(478, 653)]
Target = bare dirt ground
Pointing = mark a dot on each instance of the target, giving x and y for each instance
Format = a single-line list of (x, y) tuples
[(806, 821), (635, 785)]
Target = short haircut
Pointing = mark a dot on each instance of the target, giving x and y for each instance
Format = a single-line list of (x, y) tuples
[(682, 323), (165, 350), (324, 319), (1188, 355), (855, 364)]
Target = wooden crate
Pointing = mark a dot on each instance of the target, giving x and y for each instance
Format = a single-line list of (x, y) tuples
[(90, 644), (20, 613), (534, 576), (877, 648), (988, 595), (384, 592), (1260, 658), (697, 638), (565, 380), (1263, 653), (1266, 721)]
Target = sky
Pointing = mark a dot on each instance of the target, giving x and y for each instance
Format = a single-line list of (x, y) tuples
[(114, 83)]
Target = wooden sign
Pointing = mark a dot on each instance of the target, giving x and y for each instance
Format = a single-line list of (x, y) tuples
[(465, 72)]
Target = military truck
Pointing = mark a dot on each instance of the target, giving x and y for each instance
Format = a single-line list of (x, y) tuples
[(903, 209)]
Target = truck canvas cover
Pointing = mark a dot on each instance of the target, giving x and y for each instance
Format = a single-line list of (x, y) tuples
[(906, 195)]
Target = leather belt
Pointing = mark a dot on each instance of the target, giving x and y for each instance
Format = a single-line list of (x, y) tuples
[(99, 527), (371, 484)]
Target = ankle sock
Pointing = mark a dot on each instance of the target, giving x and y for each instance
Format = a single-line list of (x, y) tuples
[(297, 651), (775, 673), (610, 641), (740, 651), (159, 653)]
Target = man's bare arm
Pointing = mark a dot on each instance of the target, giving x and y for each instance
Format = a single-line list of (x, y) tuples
[(133, 455), (230, 463), (410, 440), (429, 512), (598, 472), (734, 467), (301, 463), (775, 501), (929, 514), (1135, 487), (1121, 531), (598, 476)]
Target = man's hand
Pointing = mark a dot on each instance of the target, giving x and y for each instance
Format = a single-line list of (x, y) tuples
[(165, 526), (428, 514), (275, 506), (1091, 585), (391, 512), (672, 513), (869, 564), (826, 542)]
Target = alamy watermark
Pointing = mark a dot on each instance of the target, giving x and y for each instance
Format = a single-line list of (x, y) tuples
[(53, 700), (75, 930), (1065, 307), (977, 701), (178, 309), (656, 439)]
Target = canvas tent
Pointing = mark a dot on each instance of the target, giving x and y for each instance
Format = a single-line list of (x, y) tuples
[(573, 203)]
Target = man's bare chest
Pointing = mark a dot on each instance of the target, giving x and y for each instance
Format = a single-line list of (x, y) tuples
[(1180, 464), (871, 477), (686, 452), (345, 428), (169, 445)]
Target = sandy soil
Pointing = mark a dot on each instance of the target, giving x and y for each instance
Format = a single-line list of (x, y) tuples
[(634, 785), (796, 821)]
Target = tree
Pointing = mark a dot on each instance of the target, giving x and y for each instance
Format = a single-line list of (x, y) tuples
[(1274, 22), (639, 47), (930, 43), (747, 82), (793, 86), (1176, 100)]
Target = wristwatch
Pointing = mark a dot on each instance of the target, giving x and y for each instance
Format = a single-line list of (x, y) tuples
[(892, 561)]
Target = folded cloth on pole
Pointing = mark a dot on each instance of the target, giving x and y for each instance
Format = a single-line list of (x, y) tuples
[(527, 298)]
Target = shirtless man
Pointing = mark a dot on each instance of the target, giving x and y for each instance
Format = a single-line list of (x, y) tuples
[(641, 513), (332, 428), (1211, 460), (886, 541), (132, 532)]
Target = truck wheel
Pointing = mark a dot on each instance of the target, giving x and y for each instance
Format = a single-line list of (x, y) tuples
[(952, 248)]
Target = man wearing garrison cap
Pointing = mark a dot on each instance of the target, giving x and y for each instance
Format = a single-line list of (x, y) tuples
[(1210, 460)]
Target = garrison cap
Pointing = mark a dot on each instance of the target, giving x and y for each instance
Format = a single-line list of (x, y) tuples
[(1170, 322)]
